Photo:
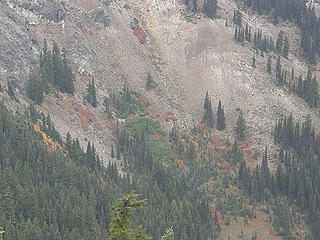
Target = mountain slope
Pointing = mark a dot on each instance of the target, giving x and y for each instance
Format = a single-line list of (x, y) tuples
[(118, 43)]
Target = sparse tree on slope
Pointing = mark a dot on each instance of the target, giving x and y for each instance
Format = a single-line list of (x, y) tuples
[(11, 92), (220, 117), (35, 88), (208, 113), (91, 96), (240, 127), (210, 8), (286, 47), (269, 62), (279, 76)]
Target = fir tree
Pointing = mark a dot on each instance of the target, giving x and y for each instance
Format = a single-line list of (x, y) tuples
[(280, 41), (169, 235), (208, 113), (210, 8), (286, 47), (150, 83), (35, 88), (254, 61), (54, 68), (91, 93), (240, 127), (237, 17), (299, 89), (265, 169), (236, 34), (194, 8), (68, 76), (269, 62), (11, 92), (220, 117), (112, 151), (279, 76), (120, 225)]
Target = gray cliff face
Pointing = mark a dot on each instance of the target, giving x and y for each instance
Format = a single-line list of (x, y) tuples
[(24, 25), (52, 10), (18, 51)]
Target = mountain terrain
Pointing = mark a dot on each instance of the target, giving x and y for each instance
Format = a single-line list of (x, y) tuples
[(120, 43)]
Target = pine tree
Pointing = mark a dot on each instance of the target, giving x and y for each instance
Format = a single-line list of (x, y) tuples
[(91, 93), (194, 8), (279, 77), (315, 92), (280, 41), (237, 17), (299, 89), (220, 117), (210, 8), (169, 235), (118, 152), (208, 113), (150, 83), (254, 61), (56, 67), (265, 169), (35, 88), (240, 127), (68, 77), (236, 34), (112, 151), (11, 92), (269, 62), (120, 225), (286, 47)]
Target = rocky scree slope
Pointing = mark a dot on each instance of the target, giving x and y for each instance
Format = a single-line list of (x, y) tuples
[(119, 42)]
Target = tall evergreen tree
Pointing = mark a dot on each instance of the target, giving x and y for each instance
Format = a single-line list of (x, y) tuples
[(56, 66), (91, 93), (279, 76), (240, 127), (210, 8), (169, 235), (150, 83), (237, 17), (120, 225), (286, 47), (68, 77), (254, 61), (194, 7), (208, 113), (299, 89), (11, 91), (269, 62), (35, 88), (220, 117)]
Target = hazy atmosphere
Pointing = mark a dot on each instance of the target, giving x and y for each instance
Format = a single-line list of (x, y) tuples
[(159, 119)]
